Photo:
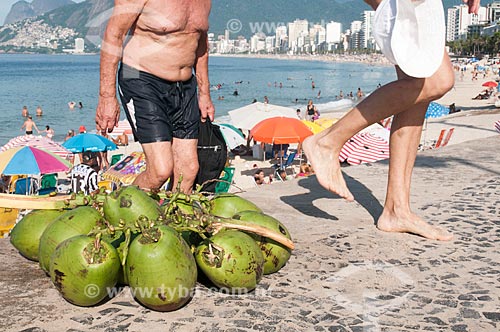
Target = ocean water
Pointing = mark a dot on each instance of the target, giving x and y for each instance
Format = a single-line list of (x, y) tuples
[(52, 81)]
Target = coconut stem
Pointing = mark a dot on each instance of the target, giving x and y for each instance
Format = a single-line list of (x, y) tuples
[(219, 224)]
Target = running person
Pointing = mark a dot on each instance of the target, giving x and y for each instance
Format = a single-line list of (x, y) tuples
[(162, 98)]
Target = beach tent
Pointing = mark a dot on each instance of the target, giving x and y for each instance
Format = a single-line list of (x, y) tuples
[(248, 116)]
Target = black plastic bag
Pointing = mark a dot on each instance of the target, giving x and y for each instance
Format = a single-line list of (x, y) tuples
[(212, 155)]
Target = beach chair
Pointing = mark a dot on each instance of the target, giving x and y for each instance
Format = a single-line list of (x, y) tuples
[(447, 138), (227, 175), (288, 163), (439, 141), (26, 186)]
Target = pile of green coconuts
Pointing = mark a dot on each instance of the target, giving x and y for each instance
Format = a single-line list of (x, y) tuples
[(159, 244)]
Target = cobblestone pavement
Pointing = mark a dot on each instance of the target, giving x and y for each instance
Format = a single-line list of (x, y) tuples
[(344, 274)]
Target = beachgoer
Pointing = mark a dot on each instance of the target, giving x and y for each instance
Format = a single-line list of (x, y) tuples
[(71, 105), (304, 170), (121, 140), (316, 115), (70, 134), (4, 183), (84, 177), (313, 85), (80, 105), (266, 100), (164, 85), (254, 101), (49, 132), (260, 178), (25, 112), (310, 109), (319, 94), (39, 111), (359, 93), (82, 129), (409, 110), (299, 114), (235, 93), (28, 125)]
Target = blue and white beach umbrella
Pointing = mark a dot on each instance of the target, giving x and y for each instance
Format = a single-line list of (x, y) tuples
[(436, 110)]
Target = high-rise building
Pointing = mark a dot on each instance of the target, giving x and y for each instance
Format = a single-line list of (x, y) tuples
[(281, 37), (368, 41), (493, 12), (295, 30), (356, 26), (459, 20), (333, 32)]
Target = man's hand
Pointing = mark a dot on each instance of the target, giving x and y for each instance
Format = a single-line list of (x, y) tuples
[(207, 108), (473, 5), (107, 114)]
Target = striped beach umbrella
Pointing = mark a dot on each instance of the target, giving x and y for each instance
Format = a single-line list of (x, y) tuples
[(497, 126), (123, 127), (40, 142), (364, 148)]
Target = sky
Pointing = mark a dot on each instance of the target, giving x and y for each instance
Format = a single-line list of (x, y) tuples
[(6, 4)]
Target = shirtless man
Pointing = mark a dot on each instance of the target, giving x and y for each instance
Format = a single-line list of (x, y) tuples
[(25, 112), (407, 99), (29, 124), (168, 42)]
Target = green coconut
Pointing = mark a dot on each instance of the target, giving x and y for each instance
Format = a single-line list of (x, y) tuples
[(130, 204), (226, 205), (85, 271), (25, 236), (79, 221), (275, 254), (232, 260), (161, 269)]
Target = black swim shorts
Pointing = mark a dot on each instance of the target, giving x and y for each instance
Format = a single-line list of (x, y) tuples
[(159, 110), (29, 132)]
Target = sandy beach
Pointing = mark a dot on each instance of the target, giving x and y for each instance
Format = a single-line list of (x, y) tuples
[(344, 274)]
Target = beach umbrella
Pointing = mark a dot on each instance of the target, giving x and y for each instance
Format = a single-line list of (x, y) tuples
[(29, 160), (497, 126), (326, 122), (232, 135), (436, 110), (364, 148), (280, 130), (89, 142), (123, 127), (248, 116), (40, 142), (126, 169), (490, 84), (313, 126)]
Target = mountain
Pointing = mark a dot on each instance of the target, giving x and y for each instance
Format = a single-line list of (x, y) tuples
[(23, 9)]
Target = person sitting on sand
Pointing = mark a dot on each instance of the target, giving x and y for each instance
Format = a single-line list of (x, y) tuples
[(305, 170), (29, 124), (120, 140), (260, 178)]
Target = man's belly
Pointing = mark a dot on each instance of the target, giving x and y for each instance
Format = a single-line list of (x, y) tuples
[(170, 57)]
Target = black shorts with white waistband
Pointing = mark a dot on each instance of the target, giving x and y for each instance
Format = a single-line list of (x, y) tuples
[(159, 110)]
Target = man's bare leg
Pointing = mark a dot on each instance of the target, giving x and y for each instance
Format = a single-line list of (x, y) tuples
[(185, 152), (397, 216), (323, 149), (159, 165)]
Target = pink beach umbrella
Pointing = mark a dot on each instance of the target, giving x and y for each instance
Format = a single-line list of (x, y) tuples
[(364, 148), (29, 160)]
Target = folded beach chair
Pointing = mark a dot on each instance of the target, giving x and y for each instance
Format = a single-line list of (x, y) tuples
[(439, 141), (448, 136), (444, 138)]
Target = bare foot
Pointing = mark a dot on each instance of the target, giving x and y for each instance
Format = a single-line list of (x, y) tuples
[(326, 165), (412, 223)]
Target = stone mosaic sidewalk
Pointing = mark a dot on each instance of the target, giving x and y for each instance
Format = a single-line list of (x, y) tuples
[(344, 274)]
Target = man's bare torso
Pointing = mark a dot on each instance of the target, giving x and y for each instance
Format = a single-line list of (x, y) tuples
[(164, 39)]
